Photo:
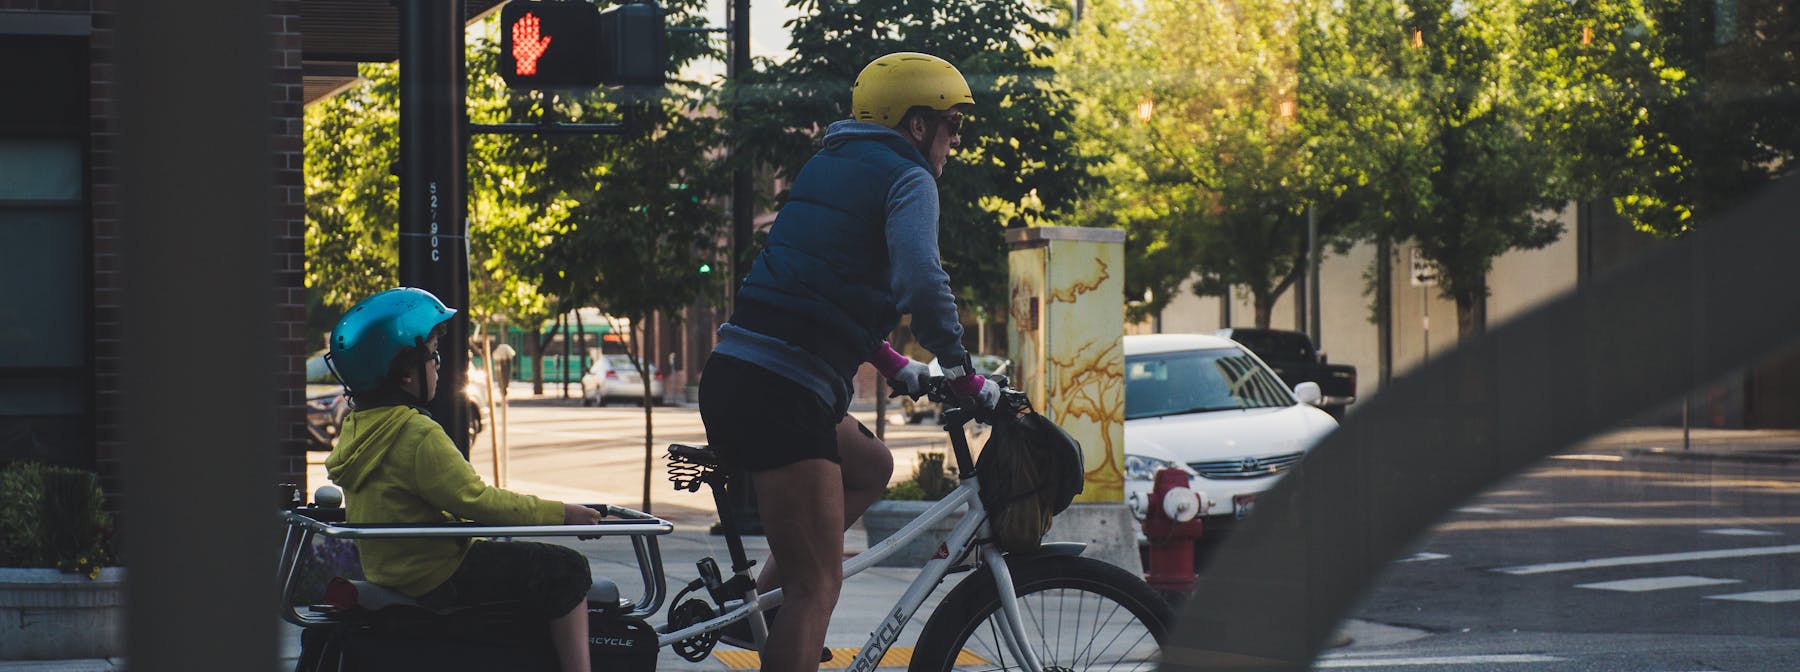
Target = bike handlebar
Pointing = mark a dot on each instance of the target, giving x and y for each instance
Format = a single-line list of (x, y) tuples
[(1012, 401)]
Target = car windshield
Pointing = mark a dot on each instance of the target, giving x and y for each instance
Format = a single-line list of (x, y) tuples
[(620, 363), (1197, 381)]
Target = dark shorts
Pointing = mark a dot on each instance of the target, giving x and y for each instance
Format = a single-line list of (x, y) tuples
[(759, 420), (548, 579)]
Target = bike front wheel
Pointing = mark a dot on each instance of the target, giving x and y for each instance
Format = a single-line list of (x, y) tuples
[(1079, 614)]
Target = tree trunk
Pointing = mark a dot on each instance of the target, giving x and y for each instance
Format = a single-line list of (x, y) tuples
[(1471, 314), (539, 342)]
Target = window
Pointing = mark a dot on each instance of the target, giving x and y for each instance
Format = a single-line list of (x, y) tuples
[(45, 360)]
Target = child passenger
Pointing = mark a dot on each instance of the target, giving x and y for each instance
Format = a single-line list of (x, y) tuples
[(396, 465)]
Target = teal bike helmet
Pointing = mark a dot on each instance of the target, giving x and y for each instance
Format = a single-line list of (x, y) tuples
[(379, 328)]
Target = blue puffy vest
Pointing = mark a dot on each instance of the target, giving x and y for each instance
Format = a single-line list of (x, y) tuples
[(821, 281)]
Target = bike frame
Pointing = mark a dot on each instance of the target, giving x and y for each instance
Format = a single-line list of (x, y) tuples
[(958, 545)]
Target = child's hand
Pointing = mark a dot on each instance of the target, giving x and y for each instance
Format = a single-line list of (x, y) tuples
[(576, 514)]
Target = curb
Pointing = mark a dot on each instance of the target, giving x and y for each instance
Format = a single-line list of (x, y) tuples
[(1752, 457)]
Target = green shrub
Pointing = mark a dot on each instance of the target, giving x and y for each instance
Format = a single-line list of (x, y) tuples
[(931, 480), (53, 517)]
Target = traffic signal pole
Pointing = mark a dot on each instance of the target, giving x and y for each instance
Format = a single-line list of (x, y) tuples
[(743, 198), (434, 251)]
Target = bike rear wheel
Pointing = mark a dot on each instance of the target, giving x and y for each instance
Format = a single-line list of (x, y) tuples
[(1079, 614)]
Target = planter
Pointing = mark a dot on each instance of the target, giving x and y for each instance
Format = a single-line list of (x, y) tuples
[(885, 517), (46, 614)]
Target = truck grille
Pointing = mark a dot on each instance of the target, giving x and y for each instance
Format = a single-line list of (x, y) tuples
[(1247, 467)]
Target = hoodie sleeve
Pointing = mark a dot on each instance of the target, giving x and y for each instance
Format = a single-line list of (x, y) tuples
[(449, 482), (919, 281)]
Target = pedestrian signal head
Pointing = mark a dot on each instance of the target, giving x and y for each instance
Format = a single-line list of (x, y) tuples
[(895, 83)]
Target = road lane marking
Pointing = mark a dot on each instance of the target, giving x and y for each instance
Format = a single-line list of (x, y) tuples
[(1422, 557), (1593, 520), (1764, 596), (1650, 559), (1741, 532), (1481, 509), (1590, 458), (1656, 583), (1493, 659)]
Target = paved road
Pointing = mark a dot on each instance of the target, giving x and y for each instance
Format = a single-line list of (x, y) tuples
[(1602, 561)]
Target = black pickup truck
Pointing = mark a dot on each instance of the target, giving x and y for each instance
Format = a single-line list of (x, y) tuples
[(1293, 357)]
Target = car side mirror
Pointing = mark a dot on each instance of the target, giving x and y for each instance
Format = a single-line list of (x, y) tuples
[(1308, 393)]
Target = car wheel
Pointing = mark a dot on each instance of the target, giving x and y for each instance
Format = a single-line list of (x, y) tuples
[(586, 400)]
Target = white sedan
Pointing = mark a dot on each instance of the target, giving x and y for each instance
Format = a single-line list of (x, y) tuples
[(1207, 406), (613, 377)]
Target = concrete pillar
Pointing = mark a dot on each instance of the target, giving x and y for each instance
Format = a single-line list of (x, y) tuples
[(1066, 340)]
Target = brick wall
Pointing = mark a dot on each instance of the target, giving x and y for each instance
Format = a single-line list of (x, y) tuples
[(289, 227), (290, 230)]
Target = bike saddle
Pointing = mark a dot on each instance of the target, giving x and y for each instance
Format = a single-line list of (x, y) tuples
[(701, 455)]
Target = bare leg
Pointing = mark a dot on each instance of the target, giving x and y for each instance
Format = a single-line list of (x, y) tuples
[(569, 634), (867, 466), (802, 511)]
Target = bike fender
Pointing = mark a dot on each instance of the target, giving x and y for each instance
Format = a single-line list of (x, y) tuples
[(1051, 549)]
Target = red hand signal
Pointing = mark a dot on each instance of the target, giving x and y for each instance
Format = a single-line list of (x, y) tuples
[(528, 46)]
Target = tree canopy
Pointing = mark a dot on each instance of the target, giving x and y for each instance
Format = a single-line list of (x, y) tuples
[(1195, 103)]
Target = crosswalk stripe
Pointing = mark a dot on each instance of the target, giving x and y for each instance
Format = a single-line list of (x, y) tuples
[(1656, 583), (1741, 532), (1764, 596), (1650, 559)]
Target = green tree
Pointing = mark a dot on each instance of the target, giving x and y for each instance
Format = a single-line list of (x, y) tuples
[(1196, 100), (352, 197), (1675, 109), (1017, 165), (1446, 141)]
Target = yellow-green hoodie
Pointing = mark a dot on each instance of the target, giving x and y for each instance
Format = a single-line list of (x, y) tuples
[(396, 465)]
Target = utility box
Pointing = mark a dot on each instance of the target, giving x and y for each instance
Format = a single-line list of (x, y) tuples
[(1067, 342)]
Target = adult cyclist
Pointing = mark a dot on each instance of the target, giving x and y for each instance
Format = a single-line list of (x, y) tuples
[(855, 247)]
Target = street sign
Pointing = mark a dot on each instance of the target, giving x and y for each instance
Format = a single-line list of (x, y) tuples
[(550, 45), (1424, 273)]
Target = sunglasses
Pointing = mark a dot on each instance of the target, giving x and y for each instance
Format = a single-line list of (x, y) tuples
[(952, 121), (437, 357)]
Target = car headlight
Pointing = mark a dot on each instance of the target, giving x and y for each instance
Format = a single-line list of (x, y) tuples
[(1140, 468)]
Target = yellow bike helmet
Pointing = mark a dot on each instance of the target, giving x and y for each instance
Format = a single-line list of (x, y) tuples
[(898, 82)]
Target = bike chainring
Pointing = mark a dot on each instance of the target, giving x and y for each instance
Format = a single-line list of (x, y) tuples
[(697, 648)]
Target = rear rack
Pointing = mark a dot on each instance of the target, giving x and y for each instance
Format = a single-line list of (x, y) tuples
[(303, 524)]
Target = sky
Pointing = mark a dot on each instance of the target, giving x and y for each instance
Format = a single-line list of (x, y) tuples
[(768, 38)]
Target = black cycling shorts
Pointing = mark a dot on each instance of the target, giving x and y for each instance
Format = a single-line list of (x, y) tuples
[(758, 420), (548, 579)]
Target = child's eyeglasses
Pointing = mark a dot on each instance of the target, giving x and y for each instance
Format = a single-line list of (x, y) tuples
[(437, 357)]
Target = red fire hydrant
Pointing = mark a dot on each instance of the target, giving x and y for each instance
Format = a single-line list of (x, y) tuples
[(1172, 524)]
